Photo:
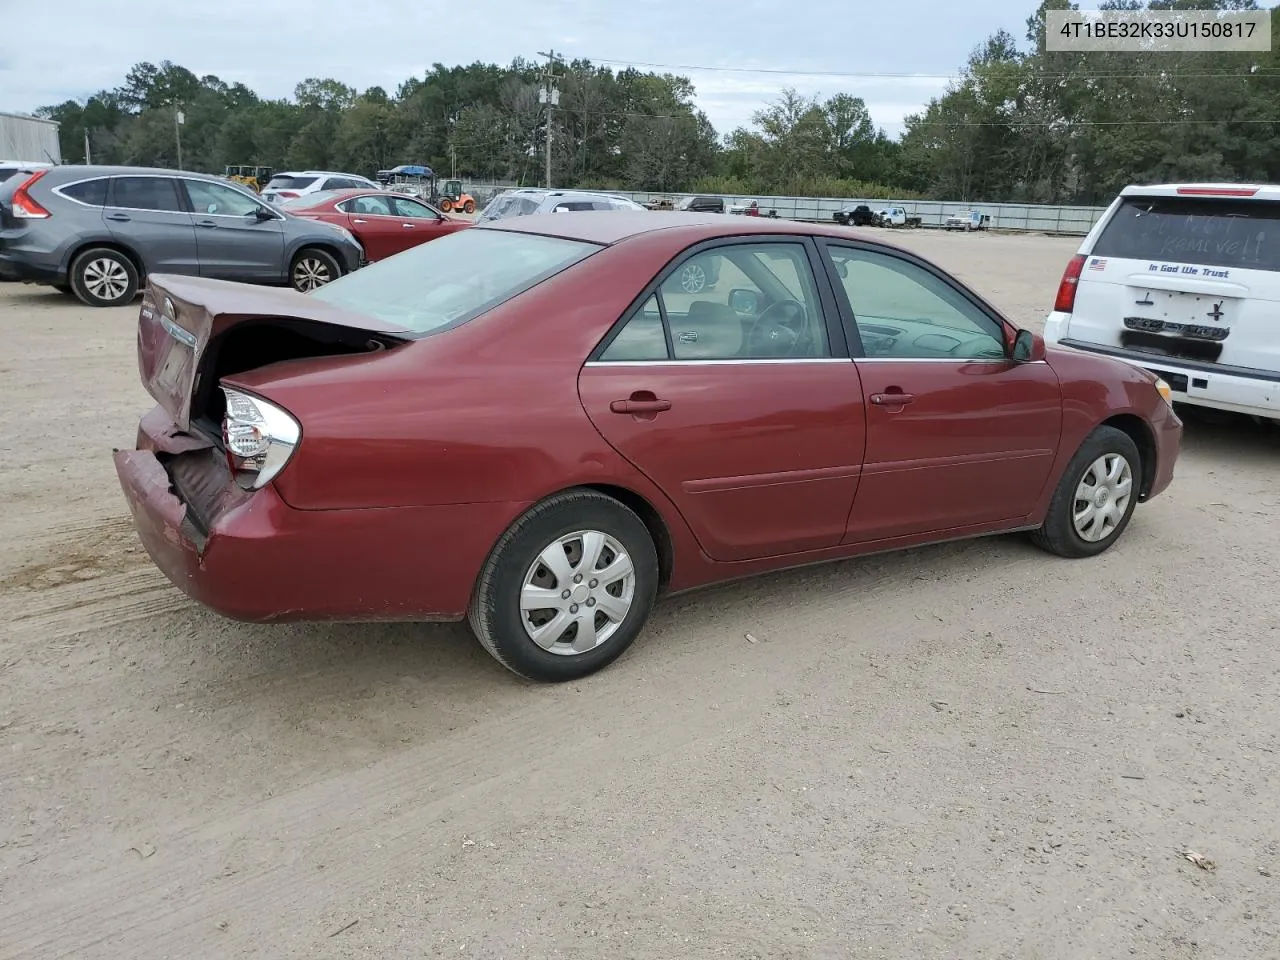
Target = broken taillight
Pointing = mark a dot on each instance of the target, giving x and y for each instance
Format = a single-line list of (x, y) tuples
[(24, 207), (1066, 299), (259, 438)]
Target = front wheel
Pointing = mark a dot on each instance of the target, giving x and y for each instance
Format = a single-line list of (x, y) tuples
[(567, 589), (1095, 498), (446, 205), (469, 207), (313, 268)]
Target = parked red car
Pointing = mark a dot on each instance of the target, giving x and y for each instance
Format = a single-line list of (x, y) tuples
[(385, 223), (533, 424)]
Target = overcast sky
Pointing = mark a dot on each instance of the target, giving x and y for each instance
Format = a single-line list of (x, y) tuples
[(269, 45)]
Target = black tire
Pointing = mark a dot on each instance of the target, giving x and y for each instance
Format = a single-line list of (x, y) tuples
[(311, 268), (102, 277), (496, 617), (1059, 534)]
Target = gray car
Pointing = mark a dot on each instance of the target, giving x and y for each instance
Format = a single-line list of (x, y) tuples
[(98, 231)]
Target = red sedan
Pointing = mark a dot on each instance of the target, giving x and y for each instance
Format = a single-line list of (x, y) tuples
[(533, 424), (385, 223)]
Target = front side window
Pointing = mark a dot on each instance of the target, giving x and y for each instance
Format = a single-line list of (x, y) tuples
[(449, 281), (216, 200), (743, 301), (145, 193), (904, 312)]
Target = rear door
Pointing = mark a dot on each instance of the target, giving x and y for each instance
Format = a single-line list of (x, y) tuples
[(957, 434), (420, 223), (1185, 277), (147, 214), (375, 223), (234, 242), (738, 401)]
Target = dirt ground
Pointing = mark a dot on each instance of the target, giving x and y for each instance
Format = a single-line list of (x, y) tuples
[(974, 750)]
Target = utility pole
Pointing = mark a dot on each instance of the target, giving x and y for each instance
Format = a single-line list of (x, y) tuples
[(453, 162), (551, 97), (178, 121), (87, 161)]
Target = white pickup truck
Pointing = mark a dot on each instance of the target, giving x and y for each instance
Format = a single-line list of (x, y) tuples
[(896, 217), (966, 220)]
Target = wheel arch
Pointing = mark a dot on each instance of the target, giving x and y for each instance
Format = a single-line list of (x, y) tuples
[(121, 248), (322, 245), (1140, 432)]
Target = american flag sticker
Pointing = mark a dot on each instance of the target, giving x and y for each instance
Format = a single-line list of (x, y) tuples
[(1097, 263)]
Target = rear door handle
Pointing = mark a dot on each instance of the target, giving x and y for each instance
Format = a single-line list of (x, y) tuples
[(407, 226), (118, 217), (205, 223), (359, 221), (891, 399), (640, 406)]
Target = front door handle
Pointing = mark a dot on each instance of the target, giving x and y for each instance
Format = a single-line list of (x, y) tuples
[(205, 223), (118, 217), (407, 226), (894, 398), (635, 405), (359, 221)]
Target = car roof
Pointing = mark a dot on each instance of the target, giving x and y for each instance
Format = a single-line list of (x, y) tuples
[(1244, 191), (608, 227), (82, 171)]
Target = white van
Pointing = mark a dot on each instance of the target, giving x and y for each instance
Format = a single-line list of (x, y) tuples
[(1184, 280)]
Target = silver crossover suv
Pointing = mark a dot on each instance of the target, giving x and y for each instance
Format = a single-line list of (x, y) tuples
[(98, 231), (523, 201)]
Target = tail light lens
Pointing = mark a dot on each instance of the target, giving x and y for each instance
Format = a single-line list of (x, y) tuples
[(24, 208), (259, 438), (1066, 299)]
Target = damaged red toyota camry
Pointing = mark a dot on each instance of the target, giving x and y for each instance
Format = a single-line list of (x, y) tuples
[(543, 423)]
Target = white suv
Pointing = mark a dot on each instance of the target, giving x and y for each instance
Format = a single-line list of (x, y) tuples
[(524, 201), (1184, 280), (289, 185)]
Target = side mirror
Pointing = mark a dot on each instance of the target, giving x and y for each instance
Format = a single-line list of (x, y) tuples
[(1028, 347), (746, 302), (262, 214)]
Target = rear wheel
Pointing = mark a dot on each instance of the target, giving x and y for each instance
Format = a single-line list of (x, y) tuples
[(313, 268), (469, 207), (102, 277), (446, 205), (567, 588), (1095, 498)]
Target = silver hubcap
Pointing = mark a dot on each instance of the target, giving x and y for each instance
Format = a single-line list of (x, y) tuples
[(106, 279), (1102, 497), (309, 274), (693, 278), (577, 593)]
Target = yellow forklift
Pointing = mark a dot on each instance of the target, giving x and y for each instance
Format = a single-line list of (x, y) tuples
[(255, 178)]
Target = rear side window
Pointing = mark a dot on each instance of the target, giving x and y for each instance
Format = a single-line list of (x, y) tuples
[(145, 193), (92, 192), (1209, 232)]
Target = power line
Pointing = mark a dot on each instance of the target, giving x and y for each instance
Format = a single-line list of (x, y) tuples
[(959, 75)]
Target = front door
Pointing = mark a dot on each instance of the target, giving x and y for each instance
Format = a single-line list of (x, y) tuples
[(957, 434), (737, 402), (235, 243), (147, 214)]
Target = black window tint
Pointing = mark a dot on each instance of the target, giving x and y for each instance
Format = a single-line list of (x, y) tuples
[(92, 192), (144, 193), (1208, 232)]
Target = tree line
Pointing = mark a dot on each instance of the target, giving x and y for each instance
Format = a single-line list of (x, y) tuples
[(1017, 124)]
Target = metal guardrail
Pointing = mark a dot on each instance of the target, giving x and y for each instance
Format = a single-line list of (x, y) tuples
[(1035, 218)]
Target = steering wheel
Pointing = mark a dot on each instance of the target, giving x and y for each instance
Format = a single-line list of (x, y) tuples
[(778, 329)]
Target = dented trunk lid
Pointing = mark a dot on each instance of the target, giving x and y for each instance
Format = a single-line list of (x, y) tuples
[(181, 316)]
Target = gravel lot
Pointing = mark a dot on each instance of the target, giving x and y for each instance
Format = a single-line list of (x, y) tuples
[(974, 750)]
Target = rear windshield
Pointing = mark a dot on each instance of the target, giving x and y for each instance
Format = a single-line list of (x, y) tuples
[(311, 199), (511, 205), (1212, 232), (289, 183), (450, 280)]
